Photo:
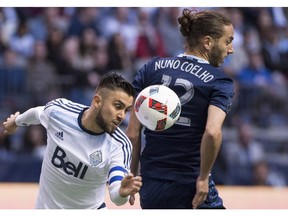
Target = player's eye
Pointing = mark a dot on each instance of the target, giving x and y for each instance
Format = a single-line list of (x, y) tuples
[(127, 110), (118, 106)]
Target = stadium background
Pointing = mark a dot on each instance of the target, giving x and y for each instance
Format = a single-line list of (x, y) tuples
[(62, 52)]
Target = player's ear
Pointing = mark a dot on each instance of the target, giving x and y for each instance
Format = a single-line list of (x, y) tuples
[(97, 101), (207, 42)]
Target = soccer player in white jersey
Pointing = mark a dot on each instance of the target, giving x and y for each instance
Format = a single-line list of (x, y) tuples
[(85, 148)]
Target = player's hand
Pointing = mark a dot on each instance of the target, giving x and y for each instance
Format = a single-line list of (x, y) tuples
[(201, 192), (130, 185), (10, 126)]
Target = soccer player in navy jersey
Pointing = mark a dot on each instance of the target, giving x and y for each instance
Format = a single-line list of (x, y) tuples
[(85, 148), (176, 164)]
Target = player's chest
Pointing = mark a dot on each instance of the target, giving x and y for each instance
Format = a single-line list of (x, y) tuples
[(77, 154)]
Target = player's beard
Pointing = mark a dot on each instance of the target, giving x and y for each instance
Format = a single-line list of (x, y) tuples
[(215, 56), (100, 121)]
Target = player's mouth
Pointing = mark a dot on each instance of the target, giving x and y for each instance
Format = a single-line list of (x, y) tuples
[(116, 124)]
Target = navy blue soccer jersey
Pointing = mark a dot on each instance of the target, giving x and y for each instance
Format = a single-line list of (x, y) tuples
[(174, 154)]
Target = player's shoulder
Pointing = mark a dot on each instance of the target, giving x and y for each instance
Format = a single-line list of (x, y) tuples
[(65, 104), (221, 78), (121, 138), (155, 63)]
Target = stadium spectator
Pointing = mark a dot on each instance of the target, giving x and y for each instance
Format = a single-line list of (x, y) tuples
[(121, 20), (70, 77), (22, 41), (241, 155), (13, 77), (54, 42), (234, 63), (87, 48), (34, 141), (8, 25), (42, 76), (119, 58), (84, 17), (275, 50), (265, 175), (257, 83), (149, 42), (169, 30), (41, 24)]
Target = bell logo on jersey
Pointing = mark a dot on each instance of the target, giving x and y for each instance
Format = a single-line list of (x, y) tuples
[(68, 167)]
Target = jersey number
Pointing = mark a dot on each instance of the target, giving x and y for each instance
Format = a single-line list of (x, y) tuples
[(187, 96)]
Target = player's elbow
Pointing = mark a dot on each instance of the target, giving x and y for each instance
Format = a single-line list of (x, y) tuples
[(134, 135), (213, 133)]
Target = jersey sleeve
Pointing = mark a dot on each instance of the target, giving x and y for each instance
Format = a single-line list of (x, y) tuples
[(30, 117), (36, 115), (222, 94)]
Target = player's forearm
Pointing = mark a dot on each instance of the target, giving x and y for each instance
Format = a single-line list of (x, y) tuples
[(135, 155), (30, 117), (209, 150), (134, 134)]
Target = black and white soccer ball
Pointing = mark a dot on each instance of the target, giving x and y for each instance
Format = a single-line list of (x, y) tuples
[(157, 107)]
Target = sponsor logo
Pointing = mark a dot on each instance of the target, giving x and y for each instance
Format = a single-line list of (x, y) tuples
[(59, 135), (58, 160)]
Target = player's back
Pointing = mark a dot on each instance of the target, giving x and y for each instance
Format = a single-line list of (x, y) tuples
[(175, 153)]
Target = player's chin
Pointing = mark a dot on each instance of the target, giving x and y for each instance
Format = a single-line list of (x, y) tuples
[(112, 128)]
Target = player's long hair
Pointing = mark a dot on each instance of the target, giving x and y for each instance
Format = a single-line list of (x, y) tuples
[(195, 25)]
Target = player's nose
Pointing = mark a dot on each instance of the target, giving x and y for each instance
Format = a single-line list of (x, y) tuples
[(121, 115), (230, 50)]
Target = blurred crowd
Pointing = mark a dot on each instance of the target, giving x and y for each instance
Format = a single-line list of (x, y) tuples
[(46, 53)]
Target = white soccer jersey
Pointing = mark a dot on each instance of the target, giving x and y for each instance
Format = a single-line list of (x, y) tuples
[(77, 163)]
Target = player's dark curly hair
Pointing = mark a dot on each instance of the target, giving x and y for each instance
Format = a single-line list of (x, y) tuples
[(114, 81), (195, 25)]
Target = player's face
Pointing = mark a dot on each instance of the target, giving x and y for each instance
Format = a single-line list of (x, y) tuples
[(113, 110), (222, 47)]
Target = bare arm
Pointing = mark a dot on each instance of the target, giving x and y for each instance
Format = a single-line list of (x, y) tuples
[(134, 133), (210, 146)]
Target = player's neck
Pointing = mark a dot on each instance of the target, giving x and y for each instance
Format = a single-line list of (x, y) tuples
[(88, 123), (198, 54), (193, 56)]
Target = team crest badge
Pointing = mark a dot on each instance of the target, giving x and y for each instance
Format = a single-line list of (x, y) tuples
[(95, 158)]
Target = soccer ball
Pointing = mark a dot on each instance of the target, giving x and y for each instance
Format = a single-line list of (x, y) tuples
[(157, 107)]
